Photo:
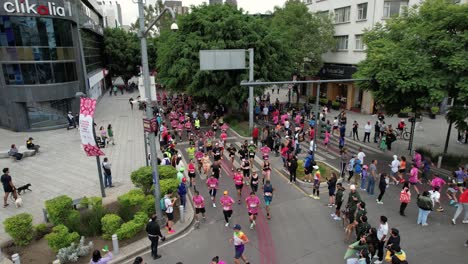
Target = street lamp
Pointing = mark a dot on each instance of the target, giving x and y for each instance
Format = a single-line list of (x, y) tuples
[(142, 34)]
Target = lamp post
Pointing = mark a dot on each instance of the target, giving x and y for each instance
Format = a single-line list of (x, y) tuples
[(142, 34)]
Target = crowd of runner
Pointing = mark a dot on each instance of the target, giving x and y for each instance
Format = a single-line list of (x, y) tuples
[(180, 119)]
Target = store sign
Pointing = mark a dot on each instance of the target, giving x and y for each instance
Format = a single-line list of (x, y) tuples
[(38, 7), (331, 71)]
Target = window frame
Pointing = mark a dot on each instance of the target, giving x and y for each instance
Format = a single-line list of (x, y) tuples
[(339, 38), (360, 47), (361, 10), (387, 8), (346, 10)]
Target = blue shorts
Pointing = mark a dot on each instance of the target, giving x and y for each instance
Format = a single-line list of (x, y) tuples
[(239, 250), (267, 199)]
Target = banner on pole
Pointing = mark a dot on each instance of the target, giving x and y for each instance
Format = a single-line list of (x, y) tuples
[(87, 107)]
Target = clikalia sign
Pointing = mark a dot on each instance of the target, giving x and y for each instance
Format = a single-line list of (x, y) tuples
[(38, 7)]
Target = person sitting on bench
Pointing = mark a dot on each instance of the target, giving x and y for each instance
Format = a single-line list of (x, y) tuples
[(31, 145), (14, 152)]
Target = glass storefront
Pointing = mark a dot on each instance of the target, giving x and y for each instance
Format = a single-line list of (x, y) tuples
[(93, 45), (36, 50), (46, 114)]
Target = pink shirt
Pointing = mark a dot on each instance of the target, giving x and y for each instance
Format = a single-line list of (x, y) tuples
[(199, 155), (174, 123), (238, 178), (199, 201), (191, 168), (438, 182), (180, 126), (413, 175), (223, 136), (265, 150), (212, 183), (297, 119), (252, 204), (188, 125), (227, 202), (327, 137)]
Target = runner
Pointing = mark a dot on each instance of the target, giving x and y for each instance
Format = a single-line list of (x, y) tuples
[(254, 182), (252, 149), (209, 145), (253, 203), (239, 240), (188, 127), (246, 171), (266, 171), (197, 125), (199, 156), (191, 173), (199, 203), (238, 181), (227, 202), (268, 196), (191, 152), (413, 178), (402, 169), (216, 152), (180, 127), (212, 184), (232, 153), (206, 164)]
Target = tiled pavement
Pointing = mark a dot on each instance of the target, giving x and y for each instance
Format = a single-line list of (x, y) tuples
[(63, 168)]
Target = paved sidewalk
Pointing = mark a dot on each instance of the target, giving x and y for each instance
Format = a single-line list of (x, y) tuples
[(63, 168)]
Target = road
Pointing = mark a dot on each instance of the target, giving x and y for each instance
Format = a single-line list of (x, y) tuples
[(301, 230)]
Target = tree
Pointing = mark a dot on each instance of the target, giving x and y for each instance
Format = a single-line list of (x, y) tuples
[(218, 27), (307, 35), (122, 52), (418, 59)]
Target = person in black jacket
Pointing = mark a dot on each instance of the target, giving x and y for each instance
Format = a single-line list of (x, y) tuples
[(394, 239), (382, 187), (154, 233), (292, 166)]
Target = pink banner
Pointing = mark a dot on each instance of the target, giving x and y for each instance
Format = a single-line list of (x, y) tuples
[(88, 141)]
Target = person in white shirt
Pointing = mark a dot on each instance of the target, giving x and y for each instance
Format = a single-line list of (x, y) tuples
[(169, 203), (382, 234), (394, 166), (286, 124), (361, 156), (435, 197), (335, 126), (312, 147), (265, 113), (367, 131)]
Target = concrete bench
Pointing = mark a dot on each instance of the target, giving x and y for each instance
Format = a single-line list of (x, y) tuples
[(75, 204), (22, 149)]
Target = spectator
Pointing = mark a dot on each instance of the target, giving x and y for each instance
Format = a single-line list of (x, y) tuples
[(97, 259), (8, 186), (31, 145), (15, 153), (424, 203)]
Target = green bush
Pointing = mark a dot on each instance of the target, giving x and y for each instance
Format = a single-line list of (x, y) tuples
[(323, 101), (41, 230), (93, 201), (148, 205), (336, 105), (110, 224), (168, 184), (143, 177), (133, 227), (73, 221), (90, 221), (435, 110), (141, 217), (20, 228), (59, 208), (130, 203), (60, 237)]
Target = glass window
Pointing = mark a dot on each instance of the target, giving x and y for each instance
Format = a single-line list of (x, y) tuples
[(44, 72), (341, 42), (44, 114), (70, 68), (359, 42), (342, 14), (28, 71), (12, 73), (60, 72), (62, 30), (394, 8), (323, 13), (362, 11)]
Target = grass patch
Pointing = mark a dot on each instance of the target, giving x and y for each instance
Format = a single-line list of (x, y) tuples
[(238, 123), (325, 170)]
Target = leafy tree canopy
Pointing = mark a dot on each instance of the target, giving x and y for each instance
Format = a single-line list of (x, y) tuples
[(218, 27), (307, 35), (420, 58), (122, 52)]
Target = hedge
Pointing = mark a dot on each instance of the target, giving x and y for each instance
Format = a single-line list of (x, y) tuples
[(59, 208), (133, 227), (110, 224), (20, 228), (166, 185), (143, 177), (61, 237)]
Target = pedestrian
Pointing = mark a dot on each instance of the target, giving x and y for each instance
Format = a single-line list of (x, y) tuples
[(326, 140), (353, 199), (364, 178), (98, 259), (376, 132), (394, 239), (182, 192), (426, 170), (232, 153), (13, 152), (394, 167), (130, 101), (435, 197), (239, 240), (8, 186), (199, 203), (361, 155), (339, 201), (413, 178), (363, 250), (331, 189), (227, 202), (363, 227), (268, 196), (382, 233), (103, 135), (351, 167), (266, 170), (239, 183), (138, 260), (383, 144), (115, 90), (343, 161), (110, 133), (191, 173), (424, 203), (169, 204), (371, 177), (405, 198), (216, 260), (460, 177), (382, 187), (309, 163), (255, 133), (316, 188), (71, 121), (357, 215), (154, 234), (254, 182), (106, 166), (355, 130), (402, 169), (372, 242), (292, 167), (246, 171), (367, 131), (212, 184), (252, 203), (462, 205), (357, 170), (396, 255)]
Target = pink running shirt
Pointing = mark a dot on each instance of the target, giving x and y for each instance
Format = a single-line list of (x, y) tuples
[(253, 203)]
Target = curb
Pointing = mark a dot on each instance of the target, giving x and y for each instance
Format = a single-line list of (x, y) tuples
[(142, 250), (238, 135)]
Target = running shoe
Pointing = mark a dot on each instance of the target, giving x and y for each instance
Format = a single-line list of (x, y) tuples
[(465, 221), (172, 231), (214, 205), (425, 224), (226, 225), (379, 202), (440, 209), (251, 226), (333, 215), (453, 222), (317, 198), (336, 218)]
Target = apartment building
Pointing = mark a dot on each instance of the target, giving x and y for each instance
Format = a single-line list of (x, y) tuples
[(111, 12), (351, 18)]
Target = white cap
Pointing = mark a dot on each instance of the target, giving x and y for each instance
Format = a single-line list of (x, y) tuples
[(395, 157), (315, 167), (352, 187)]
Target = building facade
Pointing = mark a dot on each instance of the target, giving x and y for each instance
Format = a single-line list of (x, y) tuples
[(351, 19), (177, 6), (231, 2), (212, 2), (49, 51), (111, 13)]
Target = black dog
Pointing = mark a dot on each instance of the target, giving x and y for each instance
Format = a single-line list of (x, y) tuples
[(23, 188)]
